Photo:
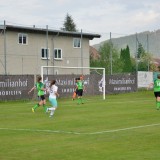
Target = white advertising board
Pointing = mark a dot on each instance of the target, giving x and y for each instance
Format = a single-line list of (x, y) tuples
[(144, 79)]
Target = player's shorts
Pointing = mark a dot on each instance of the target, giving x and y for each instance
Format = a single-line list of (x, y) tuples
[(157, 94), (53, 101), (80, 92), (42, 97)]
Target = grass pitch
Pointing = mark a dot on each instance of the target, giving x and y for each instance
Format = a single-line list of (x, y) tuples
[(122, 127)]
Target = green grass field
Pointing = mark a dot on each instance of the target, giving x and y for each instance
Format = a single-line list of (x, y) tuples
[(122, 127)]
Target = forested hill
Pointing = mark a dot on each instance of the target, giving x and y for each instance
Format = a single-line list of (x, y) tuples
[(149, 40)]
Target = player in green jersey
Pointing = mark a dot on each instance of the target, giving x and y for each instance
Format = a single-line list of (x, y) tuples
[(75, 91), (80, 88), (40, 89), (156, 88)]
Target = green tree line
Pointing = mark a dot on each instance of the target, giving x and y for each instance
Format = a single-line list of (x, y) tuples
[(115, 61)]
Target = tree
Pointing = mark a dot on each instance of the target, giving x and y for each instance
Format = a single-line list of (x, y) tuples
[(105, 59), (141, 51), (69, 24), (126, 60), (144, 59)]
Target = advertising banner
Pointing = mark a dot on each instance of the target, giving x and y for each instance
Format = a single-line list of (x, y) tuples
[(121, 83), (144, 79), (15, 87)]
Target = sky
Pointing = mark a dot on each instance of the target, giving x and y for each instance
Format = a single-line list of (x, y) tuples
[(119, 17)]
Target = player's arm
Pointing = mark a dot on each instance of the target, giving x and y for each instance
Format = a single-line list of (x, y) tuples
[(32, 89), (76, 86), (48, 90), (43, 89), (151, 84), (56, 92)]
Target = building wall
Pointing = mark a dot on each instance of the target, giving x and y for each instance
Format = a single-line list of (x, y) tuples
[(26, 59)]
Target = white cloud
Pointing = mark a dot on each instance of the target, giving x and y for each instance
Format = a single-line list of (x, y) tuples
[(98, 16)]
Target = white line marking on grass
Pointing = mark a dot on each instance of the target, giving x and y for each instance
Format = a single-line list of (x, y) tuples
[(81, 133)]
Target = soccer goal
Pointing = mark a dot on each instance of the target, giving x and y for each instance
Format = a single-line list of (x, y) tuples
[(94, 79)]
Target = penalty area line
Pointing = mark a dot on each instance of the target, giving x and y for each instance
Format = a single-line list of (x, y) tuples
[(81, 133)]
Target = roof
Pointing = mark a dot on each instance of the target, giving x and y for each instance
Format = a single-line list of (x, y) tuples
[(50, 31), (156, 61), (94, 53)]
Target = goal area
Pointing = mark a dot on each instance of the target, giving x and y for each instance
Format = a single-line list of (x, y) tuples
[(94, 79)]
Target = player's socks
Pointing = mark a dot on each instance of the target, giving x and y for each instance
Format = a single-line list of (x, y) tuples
[(52, 112), (157, 104), (79, 100), (44, 107), (36, 106), (82, 100)]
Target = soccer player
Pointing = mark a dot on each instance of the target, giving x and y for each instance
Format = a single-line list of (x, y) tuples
[(40, 88), (156, 88), (75, 92), (53, 94), (80, 88)]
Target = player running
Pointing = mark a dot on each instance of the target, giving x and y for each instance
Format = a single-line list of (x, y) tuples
[(156, 88), (53, 94), (40, 88)]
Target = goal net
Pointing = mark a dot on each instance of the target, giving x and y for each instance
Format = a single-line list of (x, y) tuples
[(94, 79)]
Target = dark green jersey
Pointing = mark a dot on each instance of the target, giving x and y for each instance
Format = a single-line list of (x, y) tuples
[(39, 86), (157, 85)]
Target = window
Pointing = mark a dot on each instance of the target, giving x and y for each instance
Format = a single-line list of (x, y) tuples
[(44, 53), (57, 53), (76, 42), (22, 38)]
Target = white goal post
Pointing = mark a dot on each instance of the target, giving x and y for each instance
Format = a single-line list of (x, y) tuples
[(46, 71)]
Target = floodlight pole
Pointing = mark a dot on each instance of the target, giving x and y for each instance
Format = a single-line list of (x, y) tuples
[(111, 52), (47, 52), (81, 52), (42, 72), (104, 84), (136, 56), (5, 61)]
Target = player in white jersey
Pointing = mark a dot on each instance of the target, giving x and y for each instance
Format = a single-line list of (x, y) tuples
[(53, 94)]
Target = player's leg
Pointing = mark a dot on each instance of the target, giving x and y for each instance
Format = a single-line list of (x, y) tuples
[(80, 93), (155, 94), (53, 102), (82, 97), (52, 109), (44, 104), (79, 96), (37, 105), (74, 95), (158, 100)]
